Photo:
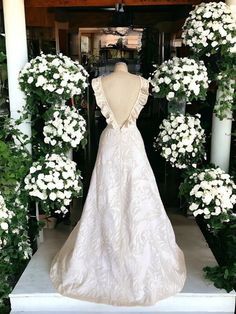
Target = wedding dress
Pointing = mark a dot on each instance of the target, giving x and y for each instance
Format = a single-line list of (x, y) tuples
[(123, 250)]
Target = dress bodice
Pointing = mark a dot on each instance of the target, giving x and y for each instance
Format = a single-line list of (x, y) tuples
[(106, 109)]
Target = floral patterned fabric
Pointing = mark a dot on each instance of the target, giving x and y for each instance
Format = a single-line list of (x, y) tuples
[(123, 250)]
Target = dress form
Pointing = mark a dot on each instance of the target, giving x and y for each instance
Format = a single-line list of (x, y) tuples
[(121, 89)]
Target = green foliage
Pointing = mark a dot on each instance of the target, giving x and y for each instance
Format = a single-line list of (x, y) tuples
[(14, 242), (224, 276)]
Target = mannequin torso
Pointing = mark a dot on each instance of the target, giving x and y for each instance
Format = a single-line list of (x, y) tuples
[(121, 89)]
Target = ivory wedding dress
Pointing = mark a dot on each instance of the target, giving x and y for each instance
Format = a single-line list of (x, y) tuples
[(123, 250)]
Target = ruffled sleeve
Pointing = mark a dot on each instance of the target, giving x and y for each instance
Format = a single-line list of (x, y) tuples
[(102, 102), (141, 101)]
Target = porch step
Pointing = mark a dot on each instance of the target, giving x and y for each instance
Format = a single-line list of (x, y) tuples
[(53, 312), (34, 292)]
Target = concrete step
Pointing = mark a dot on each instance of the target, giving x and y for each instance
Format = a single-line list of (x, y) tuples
[(34, 292)]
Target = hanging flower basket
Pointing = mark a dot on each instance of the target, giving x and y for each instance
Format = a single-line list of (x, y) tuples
[(53, 181), (181, 141), (211, 193), (52, 79), (209, 29), (180, 78), (64, 128)]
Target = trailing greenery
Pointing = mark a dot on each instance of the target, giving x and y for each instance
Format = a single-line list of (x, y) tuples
[(224, 276), (210, 32), (15, 249)]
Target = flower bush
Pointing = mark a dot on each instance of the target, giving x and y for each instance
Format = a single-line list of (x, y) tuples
[(209, 28), (15, 247), (5, 219), (212, 193), (53, 78), (210, 31), (181, 140), (53, 181), (180, 78), (64, 128)]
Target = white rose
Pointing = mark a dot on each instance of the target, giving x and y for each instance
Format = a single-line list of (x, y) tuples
[(55, 62), (48, 178), (32, 169), (56, 76), (60, 91), (165, 138), (30, 80), (170, 95), (67, 201), (51, 186), (193, 206), (59, 185), (60, 195), (176, 86), (52, 196), (167, 151), (40, 81), (4, 225), (167, 80)]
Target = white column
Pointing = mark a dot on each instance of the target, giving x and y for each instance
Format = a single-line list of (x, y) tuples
[(220, 141), (17, 56), (221, 129)]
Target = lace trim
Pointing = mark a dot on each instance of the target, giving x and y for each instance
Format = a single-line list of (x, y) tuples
[(106, 110), (140, 103), (102, 102)]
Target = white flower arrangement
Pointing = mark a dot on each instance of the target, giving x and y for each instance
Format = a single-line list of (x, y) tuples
[(64, 127), (11, 232), (180, 78), (53, 78), (5, 219), (209, 28), (212, 194), (53, 181), (181, 140)]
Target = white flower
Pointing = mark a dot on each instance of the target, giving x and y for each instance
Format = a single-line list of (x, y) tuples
[(41, 81), (170, 95), (176, 86), (52, 196), (30, 80), (175, 76), (178, 140), (33, 169), (65, 127), (4, 226), (193, 206), (167, 80), (59, 91)]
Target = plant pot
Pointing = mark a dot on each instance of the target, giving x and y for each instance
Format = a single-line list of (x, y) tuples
[(177, 106), (49, 222)]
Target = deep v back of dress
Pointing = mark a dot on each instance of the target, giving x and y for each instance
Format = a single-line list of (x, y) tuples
[(123, 250), (134, 108), (121, 90)]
